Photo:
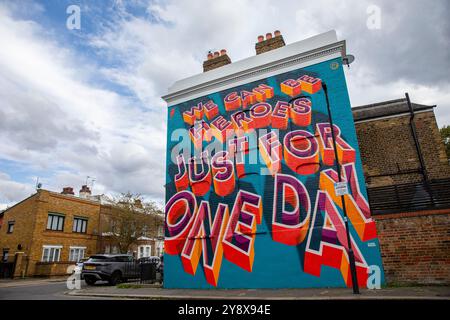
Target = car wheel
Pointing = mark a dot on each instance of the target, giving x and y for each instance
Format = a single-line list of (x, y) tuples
[(90, 281), (115, 278)]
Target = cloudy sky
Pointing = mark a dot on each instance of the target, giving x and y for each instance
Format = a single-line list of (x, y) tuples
[(78, 103)]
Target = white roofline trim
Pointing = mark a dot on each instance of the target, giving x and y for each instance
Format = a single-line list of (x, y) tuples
[(320, 48)]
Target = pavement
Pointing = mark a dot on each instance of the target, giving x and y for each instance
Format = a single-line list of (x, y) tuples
[(40, 289), (146, 292), (56, 289)]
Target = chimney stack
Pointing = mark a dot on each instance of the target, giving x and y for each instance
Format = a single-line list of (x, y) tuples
[(138, 203), (270, 43), (216, 60), (68, 190), (85, 192)]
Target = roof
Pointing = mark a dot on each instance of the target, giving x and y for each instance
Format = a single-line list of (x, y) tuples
[(296, 55), (386, 109)]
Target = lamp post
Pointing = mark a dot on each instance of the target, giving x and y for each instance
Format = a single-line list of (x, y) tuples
[(351, 255)]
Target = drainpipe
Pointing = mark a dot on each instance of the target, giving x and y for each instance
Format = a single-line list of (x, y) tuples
[(416, 140), (419, 152)]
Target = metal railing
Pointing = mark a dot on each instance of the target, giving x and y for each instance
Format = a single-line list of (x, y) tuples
[(410, 197), (141, 271)]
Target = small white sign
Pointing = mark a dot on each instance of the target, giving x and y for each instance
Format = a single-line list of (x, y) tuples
[(340, 188)]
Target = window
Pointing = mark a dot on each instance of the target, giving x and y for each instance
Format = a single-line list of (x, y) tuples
[(144, 251), (51, 253), (76, 253), (55, 222), (160, 248), (79, 225), (5, 255), (10, 227)]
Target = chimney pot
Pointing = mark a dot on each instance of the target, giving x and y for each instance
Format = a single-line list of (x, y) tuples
[(85, 191), (218, 59), (67, 190), (270, 43)]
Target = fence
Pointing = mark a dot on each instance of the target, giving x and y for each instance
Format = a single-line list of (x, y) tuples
[(410, 197), (141, 271)]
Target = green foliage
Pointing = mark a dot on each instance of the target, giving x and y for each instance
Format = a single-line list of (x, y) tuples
[(129, 217), (445, 134)]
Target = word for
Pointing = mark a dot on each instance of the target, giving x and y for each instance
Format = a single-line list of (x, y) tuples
[(302, 151)]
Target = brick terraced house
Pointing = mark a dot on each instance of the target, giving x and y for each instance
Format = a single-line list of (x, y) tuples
[(48, 232)]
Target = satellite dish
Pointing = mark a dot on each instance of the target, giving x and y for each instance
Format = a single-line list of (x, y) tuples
[(348, 59)]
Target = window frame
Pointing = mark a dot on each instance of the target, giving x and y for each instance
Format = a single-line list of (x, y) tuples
[(76, 222), (10, 227), (59, 217), (55, 248), (144, 251), (77, 249)]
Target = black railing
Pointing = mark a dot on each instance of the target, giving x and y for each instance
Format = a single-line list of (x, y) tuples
[(410, 197), (143, 271)]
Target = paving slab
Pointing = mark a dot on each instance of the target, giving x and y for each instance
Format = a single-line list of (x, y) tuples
[(434, 293)]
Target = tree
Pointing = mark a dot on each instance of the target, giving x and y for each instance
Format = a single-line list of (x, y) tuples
[(445, 134), (128, 218)]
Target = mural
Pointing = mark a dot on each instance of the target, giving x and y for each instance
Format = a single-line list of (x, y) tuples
[(250, 193)]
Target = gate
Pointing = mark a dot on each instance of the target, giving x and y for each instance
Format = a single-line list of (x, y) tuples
[(6, 270), (141, 271)]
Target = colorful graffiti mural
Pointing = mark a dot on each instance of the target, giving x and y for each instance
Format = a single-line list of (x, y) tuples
[(250, 199)]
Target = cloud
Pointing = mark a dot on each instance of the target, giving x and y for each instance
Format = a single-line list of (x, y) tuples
[(95, 109), (12, 191), (55, 118)]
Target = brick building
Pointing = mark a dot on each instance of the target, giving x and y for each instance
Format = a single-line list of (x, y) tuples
[(1, 218), (406, 172), (151, 243), (49, 232), (413, 227), (388, 150)]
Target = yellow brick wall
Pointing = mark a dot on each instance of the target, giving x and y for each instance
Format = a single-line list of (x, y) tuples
[(23, 214), (30, 227)]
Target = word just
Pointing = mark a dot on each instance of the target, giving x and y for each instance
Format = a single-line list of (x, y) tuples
[(302, 151)]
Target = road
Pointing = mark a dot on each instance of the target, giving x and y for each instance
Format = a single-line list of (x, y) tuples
[(38, 290)]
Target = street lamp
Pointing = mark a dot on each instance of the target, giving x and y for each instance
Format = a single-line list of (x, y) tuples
[(351, 255)]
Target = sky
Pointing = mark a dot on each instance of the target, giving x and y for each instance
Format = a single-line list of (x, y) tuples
[(78, 103)]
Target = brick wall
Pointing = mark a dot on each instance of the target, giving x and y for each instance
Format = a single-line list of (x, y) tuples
[(24, 218), (387, 147), (415, 247), (30, 228)]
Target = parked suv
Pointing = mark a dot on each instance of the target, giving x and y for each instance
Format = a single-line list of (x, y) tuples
[(108, 267)]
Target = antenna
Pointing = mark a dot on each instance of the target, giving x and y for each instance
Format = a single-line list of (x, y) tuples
[(92, 181), (38, 184)]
